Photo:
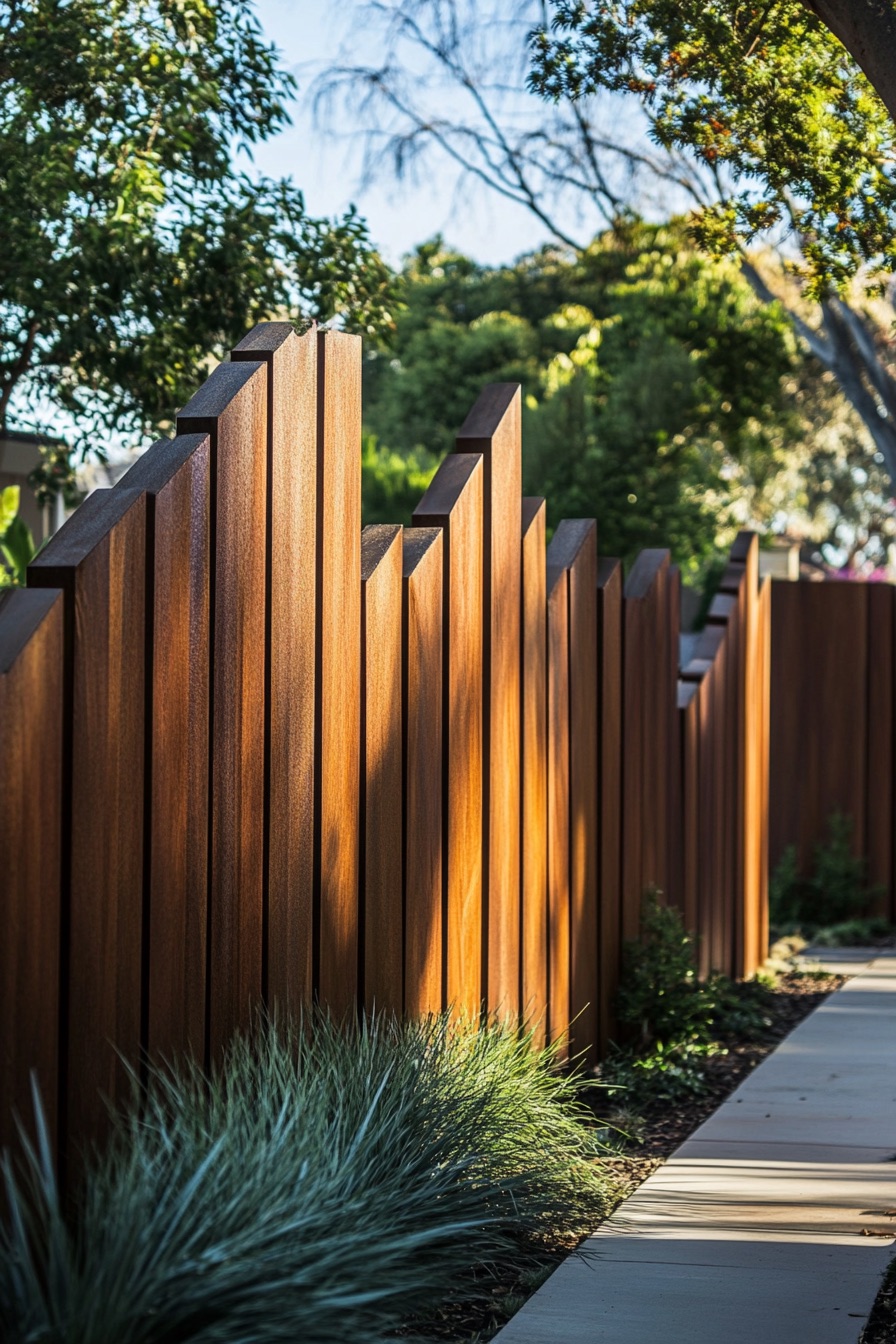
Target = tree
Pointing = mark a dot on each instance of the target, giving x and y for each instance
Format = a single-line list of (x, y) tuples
[(765, 92), (133, 246), (661, 396), (447, 90)]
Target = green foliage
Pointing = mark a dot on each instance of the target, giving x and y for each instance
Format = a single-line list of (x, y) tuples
[(392, 484), (854, 933), (659, 992), (835, 891), (16, 542), (660, 396), (325, 1184), (665, 1074), (680, 1020), (134, 247), (765, 98)]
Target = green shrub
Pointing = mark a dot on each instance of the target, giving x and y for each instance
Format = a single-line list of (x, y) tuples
[(665, 1073), (835, 891), (680, 1020), (322, 1186), (659, 992), (853, 933)]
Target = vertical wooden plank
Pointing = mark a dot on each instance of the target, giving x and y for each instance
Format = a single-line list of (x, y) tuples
[(338, 681), (231, 408), (534, 766), (674, 821), (573, 548), (754, 950), (493, 429), (647, 709), (633, 674), (558, 806), (764, 664), (609, 637), (174, 474), (291, 598), (422, 659), (688, 708), (453, 502), (382, 963), (878, 844), (31, 733), (98, 558)]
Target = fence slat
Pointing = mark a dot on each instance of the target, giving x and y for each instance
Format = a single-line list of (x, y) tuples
[(31, 732), (231, 408), (812, 738), (558, 806), (381, 767), (689, 712), (422, 734), (291, 362), (609, 684), (493, 429), (98, 560), (880, 774), (338, 695), (573, 548), (453, 502), (533, 763), (648, 704), (174, 474)]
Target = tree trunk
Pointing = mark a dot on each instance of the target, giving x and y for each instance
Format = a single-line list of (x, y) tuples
[(867, 29)]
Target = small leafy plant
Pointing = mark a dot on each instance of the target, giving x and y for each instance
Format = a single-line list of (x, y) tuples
[(836, 890), (679, 1020)]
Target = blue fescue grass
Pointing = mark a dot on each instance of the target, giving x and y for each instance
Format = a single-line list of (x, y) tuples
[(326, 1183)]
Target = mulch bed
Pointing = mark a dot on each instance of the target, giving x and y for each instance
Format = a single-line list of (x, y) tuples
[(476, 1321), (881, 1325)]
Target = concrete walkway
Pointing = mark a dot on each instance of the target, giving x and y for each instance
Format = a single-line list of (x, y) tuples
[(763, 1227)]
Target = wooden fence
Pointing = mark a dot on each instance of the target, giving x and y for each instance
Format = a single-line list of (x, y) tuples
[(833, 722), (254, 753)]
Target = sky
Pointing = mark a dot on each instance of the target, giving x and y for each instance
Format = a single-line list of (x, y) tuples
[(310, 35)]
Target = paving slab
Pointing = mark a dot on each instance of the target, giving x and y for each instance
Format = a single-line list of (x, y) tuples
[(774, 1221)]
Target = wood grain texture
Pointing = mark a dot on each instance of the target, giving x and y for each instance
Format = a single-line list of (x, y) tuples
[(231, 408), (534, 767), (755, 795), (291, 597), (380, 898), (422, 672), (688, 709), (764, 664), (558, 808), (609, 684), (729, 619), (648, 703), (98, 559), (454, 502), (493, 429), (573, 548), (31, 733), (673, 800), (175, 476), (338, 695)]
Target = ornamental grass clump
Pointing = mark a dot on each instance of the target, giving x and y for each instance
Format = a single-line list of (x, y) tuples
[(326, 1183)]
